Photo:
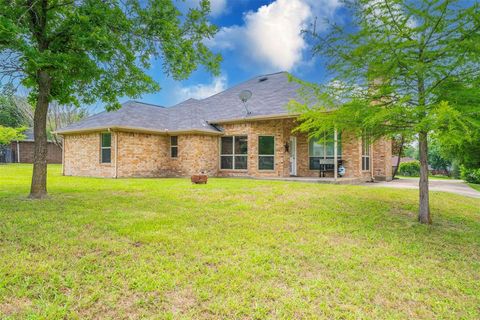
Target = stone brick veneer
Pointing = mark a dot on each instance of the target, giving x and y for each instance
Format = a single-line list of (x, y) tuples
[(148, 155)]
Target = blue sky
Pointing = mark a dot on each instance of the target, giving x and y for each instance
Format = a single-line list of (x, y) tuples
[(255, 37)]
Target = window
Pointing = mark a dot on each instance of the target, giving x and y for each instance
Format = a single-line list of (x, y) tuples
[(365, 152), (106, 147), (173, 146), (266, 152), (321, 152), (233, 153)]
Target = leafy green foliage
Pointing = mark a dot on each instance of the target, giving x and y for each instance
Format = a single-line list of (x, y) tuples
[(409, 169), (8, 134), (10, 114), (470, 175), (99, 50), (391, 72), (435, 157)]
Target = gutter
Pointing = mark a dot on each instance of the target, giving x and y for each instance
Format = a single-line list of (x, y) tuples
[(136, 129)]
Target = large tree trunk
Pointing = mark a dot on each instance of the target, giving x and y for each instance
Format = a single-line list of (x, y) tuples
[(400, 151), (38, 188), (424, 209)]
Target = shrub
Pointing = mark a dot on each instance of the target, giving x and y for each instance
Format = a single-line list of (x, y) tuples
[(409, 169), (470, 175)]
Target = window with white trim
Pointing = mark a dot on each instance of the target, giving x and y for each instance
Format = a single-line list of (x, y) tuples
[(365, 152), (106, 147), (266, 152), (233, 153), (174, 146), (321, 152)]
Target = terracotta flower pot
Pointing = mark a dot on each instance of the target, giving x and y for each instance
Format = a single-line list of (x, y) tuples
[(199, 178)]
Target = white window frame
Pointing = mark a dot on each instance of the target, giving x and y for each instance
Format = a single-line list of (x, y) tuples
[(233, 154), (105, 148), (266, 155), (325, 157), (173, 146)]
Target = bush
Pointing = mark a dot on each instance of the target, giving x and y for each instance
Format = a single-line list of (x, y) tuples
[(409, 169), (470, 175)]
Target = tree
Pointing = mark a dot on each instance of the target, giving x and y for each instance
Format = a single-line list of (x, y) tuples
[(85, 51), (389, 67), (462, 144), (435, 157), (8, 134), (10, 115), (60, 116)]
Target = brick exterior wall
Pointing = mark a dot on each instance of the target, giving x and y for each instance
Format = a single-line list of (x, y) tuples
[(54, 152), (82, 156), (382, 159), (148, 155)]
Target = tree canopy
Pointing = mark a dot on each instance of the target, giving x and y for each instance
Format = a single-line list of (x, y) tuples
[(99, 50), (8, 134)]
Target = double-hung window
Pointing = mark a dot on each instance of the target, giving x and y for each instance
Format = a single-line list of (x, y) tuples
[(233, 153), (365, 152), (106, 147), (321, 152), (174, 146), (266, 152)]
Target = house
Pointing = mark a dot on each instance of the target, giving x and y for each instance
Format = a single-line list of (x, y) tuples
[(220, 136), (22, 151)]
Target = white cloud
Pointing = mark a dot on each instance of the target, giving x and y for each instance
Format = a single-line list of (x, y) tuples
[(218, 7), (271, 36), (200, 91), (274, 32)]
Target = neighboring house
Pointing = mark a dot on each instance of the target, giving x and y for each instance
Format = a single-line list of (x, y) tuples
[(216, 136), (22, 151)]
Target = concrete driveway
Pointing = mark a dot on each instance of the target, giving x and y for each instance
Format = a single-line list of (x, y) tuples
[(453, 186)]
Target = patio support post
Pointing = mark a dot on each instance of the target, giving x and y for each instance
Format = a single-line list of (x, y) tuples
[(335, 155)]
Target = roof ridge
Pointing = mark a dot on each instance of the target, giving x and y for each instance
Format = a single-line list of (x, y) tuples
[(238, 84), (144, 103)]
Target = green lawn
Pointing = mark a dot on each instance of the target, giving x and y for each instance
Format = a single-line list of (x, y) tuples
[(164, 248), (475, 186)]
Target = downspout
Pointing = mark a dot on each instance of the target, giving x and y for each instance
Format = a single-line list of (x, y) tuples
[(63, 156)]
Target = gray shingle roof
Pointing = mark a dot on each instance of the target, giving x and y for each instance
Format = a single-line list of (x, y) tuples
[(270, 95)]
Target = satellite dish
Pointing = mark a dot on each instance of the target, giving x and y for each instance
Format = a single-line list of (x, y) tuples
[(245, 95)]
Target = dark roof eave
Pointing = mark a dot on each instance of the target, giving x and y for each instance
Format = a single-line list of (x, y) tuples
[(136, 129)]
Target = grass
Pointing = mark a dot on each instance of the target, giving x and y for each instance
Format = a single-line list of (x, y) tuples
[(475, 186), (167, 249)]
